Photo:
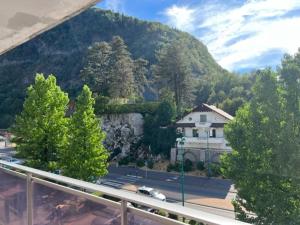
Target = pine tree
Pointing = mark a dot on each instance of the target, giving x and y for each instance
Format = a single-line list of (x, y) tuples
[(85, 157), (122, 80), (97, 67), (140, 71), (41, 127), (173, 72)]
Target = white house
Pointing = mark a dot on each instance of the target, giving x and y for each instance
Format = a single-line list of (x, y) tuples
[(203, 131)]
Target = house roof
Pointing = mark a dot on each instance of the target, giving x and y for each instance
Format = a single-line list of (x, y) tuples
[(209, 108), (219, 111)]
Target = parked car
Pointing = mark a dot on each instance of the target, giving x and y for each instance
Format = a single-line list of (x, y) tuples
[(13, 160), (151, 192)]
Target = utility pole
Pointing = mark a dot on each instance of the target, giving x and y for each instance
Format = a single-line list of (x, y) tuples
[(208, 153), (181, 141)]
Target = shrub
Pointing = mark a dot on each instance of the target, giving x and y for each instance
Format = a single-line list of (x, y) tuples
[(193, 222), (215, 169), (173, 216), (124, 161), (174, 167), (200, 165), (169, 168), (103, 107), (98, 194), (115, 152), (140, 163), (150, 164), (188, 165), (162, 213)]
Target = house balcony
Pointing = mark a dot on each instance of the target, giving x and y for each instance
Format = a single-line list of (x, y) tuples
[(204, 140), (30, 196)]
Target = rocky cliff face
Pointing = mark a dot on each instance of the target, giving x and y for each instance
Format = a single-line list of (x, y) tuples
[(123, 131)]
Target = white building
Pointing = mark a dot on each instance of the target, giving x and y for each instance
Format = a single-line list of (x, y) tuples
[(203, 129)]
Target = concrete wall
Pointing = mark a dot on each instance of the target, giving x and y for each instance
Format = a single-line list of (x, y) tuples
[(196, 155), (135, 120)]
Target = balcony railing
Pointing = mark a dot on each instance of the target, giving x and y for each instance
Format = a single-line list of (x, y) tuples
[(31, 196)]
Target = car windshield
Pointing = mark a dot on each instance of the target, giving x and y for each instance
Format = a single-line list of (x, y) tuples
[(154, 192)]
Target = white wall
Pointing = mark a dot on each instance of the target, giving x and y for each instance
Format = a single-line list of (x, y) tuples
[(218, 142), (194, 117)]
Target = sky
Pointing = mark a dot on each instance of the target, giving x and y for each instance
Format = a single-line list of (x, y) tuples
[(242, 35)]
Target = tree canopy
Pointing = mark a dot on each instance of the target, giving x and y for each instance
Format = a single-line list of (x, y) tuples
[(41, 128), (85, 157), (265, 138), (110, 70), (173, 73)]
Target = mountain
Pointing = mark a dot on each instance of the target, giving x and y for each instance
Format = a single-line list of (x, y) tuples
[(61, 51)]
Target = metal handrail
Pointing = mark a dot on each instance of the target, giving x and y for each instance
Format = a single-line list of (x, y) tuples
[(38, 176)]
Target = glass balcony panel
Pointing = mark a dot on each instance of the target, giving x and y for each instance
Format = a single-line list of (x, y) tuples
[(53, 207), (12, 200)]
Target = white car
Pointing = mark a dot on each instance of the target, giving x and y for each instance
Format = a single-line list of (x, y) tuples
[(151, 192), (13, 160)]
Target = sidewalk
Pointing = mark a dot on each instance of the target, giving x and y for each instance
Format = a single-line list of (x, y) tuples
[(213, 202)]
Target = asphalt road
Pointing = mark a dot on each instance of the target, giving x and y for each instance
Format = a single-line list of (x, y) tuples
[(4, 152), (170, 185)]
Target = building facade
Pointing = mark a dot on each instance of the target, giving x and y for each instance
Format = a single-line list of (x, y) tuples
[(203, 132)]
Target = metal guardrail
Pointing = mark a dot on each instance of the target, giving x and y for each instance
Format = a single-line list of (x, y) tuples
[(76, 187)]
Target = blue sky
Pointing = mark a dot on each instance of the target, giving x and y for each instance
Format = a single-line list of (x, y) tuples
[(240, 34)]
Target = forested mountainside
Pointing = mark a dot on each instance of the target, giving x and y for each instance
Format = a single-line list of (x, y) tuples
[(61, 51)]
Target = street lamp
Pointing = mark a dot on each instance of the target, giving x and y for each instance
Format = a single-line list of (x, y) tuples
[(207, 151), (181, 141)]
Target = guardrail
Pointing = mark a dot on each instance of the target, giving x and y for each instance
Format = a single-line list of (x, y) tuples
[(31, 196)]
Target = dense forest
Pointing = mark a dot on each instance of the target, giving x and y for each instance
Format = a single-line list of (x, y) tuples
[(152, 52)]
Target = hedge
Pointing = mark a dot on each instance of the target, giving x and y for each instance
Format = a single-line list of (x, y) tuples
[(103, 107)]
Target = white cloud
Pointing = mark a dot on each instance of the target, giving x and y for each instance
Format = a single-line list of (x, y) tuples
[(115, 5), (181, 17), (235, 34)]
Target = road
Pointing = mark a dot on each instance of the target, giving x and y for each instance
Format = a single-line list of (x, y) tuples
[(8, 151), (196, 189)]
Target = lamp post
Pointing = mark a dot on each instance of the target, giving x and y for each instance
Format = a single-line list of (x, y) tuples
[(181, 141), (208, 152)]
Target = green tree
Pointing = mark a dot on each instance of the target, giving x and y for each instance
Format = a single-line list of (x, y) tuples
[(257, 136), (97, 67), (289, 159), (158, 134), (41, 127), (140, 71), (85, 157), (122, 80), (174, 72)]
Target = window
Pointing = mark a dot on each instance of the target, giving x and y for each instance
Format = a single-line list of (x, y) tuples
[(195, 133), (213, 133), (203, 118)]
